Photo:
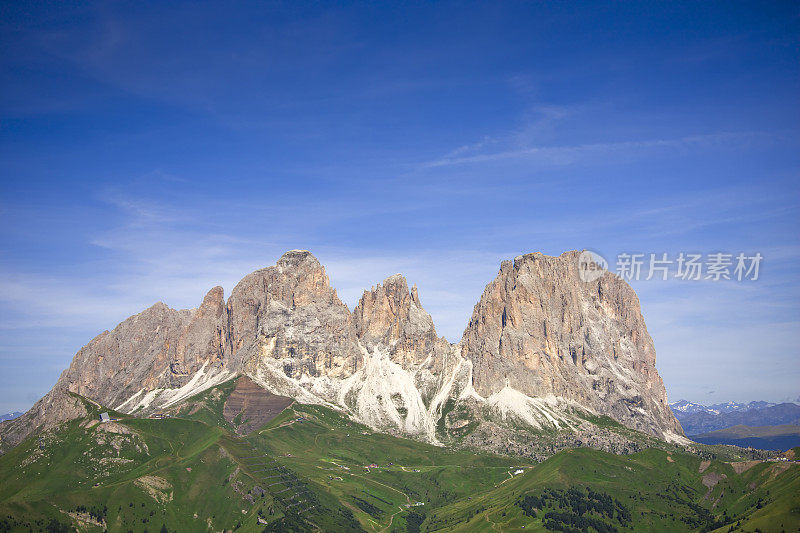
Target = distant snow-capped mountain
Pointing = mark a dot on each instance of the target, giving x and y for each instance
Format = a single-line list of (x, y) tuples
[(696, 418), (730, 407), (9, 416), (687, 407)]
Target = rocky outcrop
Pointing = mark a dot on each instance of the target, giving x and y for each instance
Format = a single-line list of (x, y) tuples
[(289, 316), (541, 347), (131, 357), (202, 341), (540, 330), (54, 408), (392, 316)]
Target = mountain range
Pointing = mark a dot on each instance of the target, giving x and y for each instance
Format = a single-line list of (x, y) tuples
[(542, 351), (698, 419), (687, 407), (238, 458), (280, 409)]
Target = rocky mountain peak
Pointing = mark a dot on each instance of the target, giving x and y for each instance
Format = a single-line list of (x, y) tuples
[(288, 316), (296, 258), (391, 316), (396, 279), (213, 302), (297, 279), (415, 296), (541, 330), (382, 311), (540, 343)]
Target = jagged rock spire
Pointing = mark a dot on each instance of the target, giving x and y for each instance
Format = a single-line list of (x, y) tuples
[(392, 316)]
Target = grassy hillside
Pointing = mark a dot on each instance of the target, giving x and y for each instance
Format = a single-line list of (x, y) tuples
[(313, 469), (649, 491)]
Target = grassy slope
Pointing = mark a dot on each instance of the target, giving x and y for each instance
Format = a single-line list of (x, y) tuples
[(200, 463), (659, 492), (205, 472), (335, 452), (200, 471)]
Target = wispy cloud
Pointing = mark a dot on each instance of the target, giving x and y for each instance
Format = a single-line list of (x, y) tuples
[(567, 154)]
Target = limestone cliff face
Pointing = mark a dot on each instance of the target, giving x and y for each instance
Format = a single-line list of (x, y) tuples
[(392, 316), (405, 362), (158, 349), (202, 340), (52, 409), (117, 363), (541, 330), (289, 315), (283, 324), (540, 344)]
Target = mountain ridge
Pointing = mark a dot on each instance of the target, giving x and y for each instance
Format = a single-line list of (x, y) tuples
[(685, 406), (383, 363), (778, 437), (10, 416), (704, 420)]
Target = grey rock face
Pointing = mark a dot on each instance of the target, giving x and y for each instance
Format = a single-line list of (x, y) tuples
[(54, 408), (392, 316), (290, 313), (202, 340), (541, 330), (538, 333), (117, 363)]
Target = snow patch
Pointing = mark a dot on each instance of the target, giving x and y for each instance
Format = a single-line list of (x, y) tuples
[(145, 402), (126, 402)]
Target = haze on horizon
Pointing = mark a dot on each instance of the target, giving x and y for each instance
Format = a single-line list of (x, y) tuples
[(152, 154)]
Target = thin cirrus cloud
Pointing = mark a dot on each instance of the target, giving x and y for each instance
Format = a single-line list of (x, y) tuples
[(567, 154)]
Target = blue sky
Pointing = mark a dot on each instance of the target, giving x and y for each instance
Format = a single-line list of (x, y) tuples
[(150, 153)]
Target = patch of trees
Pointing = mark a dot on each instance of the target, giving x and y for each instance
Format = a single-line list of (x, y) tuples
[(701, 518), (96, 512), (569, 522), (54, 526), (414, 522), (576, 510), (288, 524), (348, 520), (368, 508)]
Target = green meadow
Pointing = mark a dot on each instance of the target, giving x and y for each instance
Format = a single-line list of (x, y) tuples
[(312, 469)]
